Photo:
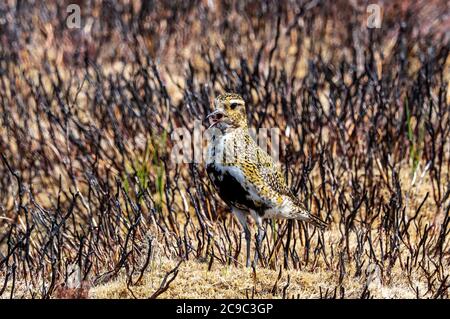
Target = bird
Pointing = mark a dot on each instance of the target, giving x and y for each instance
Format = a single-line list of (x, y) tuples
[(246, 178)]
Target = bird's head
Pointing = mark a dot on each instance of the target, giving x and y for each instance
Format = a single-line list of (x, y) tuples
[(229, 112)]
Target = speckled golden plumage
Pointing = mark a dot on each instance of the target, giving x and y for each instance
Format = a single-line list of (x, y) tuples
[(245, 176)]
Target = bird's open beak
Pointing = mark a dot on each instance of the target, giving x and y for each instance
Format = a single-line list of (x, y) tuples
[(216, 117)]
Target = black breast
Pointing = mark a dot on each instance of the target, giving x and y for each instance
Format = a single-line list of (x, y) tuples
[(230, 190)]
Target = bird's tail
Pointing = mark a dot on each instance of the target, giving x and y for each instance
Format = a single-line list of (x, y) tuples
[(310, 218)]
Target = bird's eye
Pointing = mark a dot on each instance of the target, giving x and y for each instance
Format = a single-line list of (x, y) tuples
[(233, 105)]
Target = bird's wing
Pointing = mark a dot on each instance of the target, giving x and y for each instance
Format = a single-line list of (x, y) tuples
[(273, 176), (271, 187), (265, 176)]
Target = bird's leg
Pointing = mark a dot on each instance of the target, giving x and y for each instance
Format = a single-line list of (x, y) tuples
[(243, 220), (247, 240), (259, 238)]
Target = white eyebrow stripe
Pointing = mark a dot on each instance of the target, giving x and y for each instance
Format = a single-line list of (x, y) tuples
[(236, 101)]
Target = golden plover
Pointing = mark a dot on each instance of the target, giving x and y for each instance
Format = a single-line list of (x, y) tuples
[(244, 175)]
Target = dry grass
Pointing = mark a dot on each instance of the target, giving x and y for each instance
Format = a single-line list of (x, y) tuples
[(194, 280)]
